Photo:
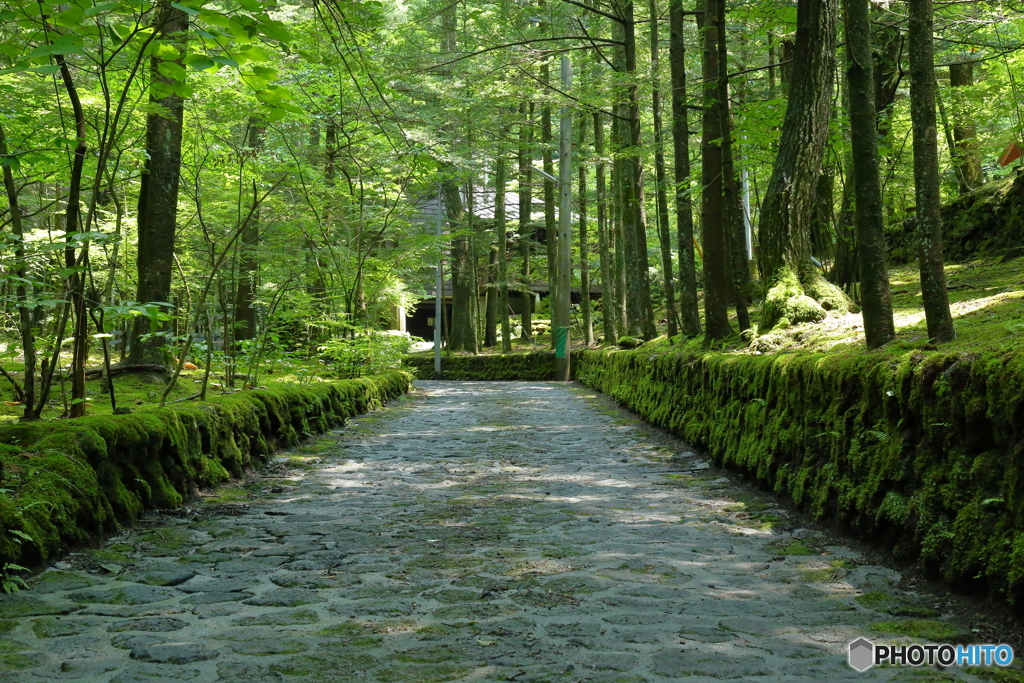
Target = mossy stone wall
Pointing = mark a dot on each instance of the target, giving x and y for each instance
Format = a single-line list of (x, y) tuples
[(79, 478), (519, 366), (922, 453)]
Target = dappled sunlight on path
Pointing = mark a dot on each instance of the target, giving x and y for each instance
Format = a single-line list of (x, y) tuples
[(472, 532)]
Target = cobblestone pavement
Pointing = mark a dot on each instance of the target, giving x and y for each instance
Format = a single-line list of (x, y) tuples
[(470, 532)]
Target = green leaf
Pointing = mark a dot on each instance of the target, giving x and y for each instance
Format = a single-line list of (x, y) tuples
[(275, 30), (11, 162), (199, 62), (48, 69), (191, 11), (22, 535), (64, 45), (226, 61), (101, 7), (172, 70), (166, 51), (70, 17)]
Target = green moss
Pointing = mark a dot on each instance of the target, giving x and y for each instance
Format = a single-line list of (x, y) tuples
[(935, 631), (922, 453), (787, 299), (73, 480), (1013, 675), (794, 548), (519, 366)]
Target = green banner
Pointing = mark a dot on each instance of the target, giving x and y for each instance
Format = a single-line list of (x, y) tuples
[(561, 342)]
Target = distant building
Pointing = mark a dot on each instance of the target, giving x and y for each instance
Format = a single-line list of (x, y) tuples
[(421, 322)]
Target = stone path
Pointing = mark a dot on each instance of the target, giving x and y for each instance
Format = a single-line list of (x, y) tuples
[(470, 532)]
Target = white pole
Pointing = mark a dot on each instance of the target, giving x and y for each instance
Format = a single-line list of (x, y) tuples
[(438, 284), (748, 227)]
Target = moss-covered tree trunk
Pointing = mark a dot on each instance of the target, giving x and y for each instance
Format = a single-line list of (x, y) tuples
[(926, 171), (717, 289), (689, 314), (795, 290), (874, 273)]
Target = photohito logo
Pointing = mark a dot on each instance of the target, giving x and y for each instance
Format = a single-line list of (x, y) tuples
[(864, 654)]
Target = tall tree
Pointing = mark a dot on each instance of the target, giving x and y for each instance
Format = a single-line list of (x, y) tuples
[(664, 231), (158, 193), (689, 314), (526, 214), (736, 233), (608, 306), (965, 134), (463, 320), (794, 287), (928, 223), (248, 265), (876, 301), (501, 237), (717, 289), (585, 309)]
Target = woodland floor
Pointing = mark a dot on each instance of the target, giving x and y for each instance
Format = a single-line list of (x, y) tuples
[(476, 532)]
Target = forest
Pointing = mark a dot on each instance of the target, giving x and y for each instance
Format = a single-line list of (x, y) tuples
[(214, 192)]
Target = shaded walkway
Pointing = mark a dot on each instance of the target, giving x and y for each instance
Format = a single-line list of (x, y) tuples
[(471, 532)]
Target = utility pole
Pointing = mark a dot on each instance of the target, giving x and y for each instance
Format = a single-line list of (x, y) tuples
[(438, 284), (563, 289)]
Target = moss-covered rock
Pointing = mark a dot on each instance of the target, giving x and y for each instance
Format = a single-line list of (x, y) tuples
[(988, 221), (68, 481)]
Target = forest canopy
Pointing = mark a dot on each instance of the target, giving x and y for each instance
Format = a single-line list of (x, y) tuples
[(227, 184)]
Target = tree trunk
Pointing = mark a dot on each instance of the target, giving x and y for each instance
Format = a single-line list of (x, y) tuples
[(689, 313), (26, 328), (634, 224), (491, 309), (158, 194), (926, 171), (501, 228), (526, 215), (463, 333), (248, 265), (585, 309), (874, 274), (664, 231), (608, 309), (965, 136), (736, 238), (550, 222), (795, 289), (714, 226)]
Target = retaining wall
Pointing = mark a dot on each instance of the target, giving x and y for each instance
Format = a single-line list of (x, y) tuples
[(65, 482)]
